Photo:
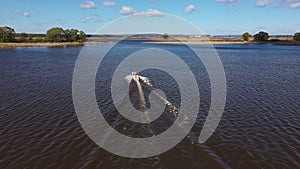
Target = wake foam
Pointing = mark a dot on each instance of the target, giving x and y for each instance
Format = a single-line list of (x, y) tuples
[(147, 83)]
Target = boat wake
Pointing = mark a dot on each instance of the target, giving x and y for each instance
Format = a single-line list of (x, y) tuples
[(143, 83)]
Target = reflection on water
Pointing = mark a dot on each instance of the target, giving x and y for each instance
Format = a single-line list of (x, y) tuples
[(259, 129)]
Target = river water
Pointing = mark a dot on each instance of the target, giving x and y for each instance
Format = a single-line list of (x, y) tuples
[(259, 128)]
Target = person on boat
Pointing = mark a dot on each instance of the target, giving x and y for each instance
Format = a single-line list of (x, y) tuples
[(134, 74)]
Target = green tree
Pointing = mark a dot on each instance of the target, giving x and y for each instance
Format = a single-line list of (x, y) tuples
[(67, 35), (7, 34), (165, 36), (81, 37), (71, 35), (297, 36), (246, 36), (30, 38), (23, 37), (261, 36), (55, 34), (74, 35)]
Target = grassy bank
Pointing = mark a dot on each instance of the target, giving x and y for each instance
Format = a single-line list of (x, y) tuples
[(197, 42), (190, 41), (46, 44), (282, 43)]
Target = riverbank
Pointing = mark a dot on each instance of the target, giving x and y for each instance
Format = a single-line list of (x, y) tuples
[(197, 42), (282, 43), (287, 43), (189, 42), (47, 44)]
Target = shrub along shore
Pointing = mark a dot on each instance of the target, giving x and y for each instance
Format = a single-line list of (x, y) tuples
[(47, 44), (56, 37)]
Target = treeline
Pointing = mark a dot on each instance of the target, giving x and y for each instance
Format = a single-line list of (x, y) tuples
[(69, 35), (264, 36), (56, 34)]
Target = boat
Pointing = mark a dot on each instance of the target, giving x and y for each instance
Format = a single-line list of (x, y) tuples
[(135, 75)]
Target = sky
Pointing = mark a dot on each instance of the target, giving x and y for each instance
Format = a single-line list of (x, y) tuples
[(213, 17)]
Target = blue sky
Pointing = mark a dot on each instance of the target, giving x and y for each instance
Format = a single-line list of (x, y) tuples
[(214, 17)]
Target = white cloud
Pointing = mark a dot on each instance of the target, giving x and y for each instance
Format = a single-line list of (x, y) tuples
[(189, 9), (295, 5), (26, 14), (149, 13), (87, 4), (108, 3), (89, 18), (126, 10), (281, 3), (227, 1), (262, 3)]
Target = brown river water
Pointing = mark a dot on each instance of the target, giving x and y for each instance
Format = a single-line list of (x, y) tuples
[(259, 128)]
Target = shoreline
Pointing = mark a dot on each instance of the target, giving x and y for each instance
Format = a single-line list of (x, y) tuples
[(47, 44), (64, 44), (198, 42), (195, 42)]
